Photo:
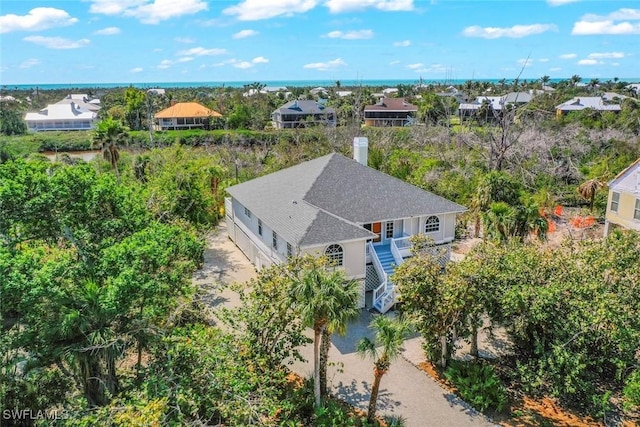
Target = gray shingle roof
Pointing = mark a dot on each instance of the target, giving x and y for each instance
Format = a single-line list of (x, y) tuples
[(325, 200), (582, 102), (304, 107)]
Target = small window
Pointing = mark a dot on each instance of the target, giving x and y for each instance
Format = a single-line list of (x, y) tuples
[(260, 227), (389, 230), (289, 250), (247, 213), (274, 240), (432, 224), (636, 212), (335, 254), (615, 201)]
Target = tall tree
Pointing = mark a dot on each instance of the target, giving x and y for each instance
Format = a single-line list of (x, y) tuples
[(110, 133), (389, 336), (321, 295)]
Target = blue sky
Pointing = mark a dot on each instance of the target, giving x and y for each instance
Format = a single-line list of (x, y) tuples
[(123, 41)]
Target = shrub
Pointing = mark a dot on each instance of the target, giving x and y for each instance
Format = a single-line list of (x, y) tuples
[(632, 390), (478, 384)]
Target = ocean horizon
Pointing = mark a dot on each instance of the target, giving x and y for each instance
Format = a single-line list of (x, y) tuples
[(272, 83)]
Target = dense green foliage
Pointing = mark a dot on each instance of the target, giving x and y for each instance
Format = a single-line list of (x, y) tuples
[(478, 384)]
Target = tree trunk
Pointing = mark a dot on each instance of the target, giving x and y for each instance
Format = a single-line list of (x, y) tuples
[(474, 341), (476, 227), (375, 388), (443, 354), (324, 358), (317, 332)]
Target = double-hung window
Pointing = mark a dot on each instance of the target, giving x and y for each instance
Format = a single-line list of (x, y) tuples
[(274, 240), (615, 201), (636, 212)]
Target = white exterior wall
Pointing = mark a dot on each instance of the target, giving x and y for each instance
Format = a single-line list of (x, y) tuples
[(354, 264), (446, 233)]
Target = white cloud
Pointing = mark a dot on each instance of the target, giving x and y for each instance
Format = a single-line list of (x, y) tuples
[(404, 43), (185, 59), (568, 56), (338, 6), (243, 65), (351, 35), (39, 18), (517, 31), (589, 62), (260, 60), (394, 62), (543, 59), (525, 62), (244, 34), (419, 67), (560, 2), (615, 23), (57, 42), (324, 66), (185, 40), (606, 55), (148, 11), (254, 10), (109, 31), (201, 51), (555, 69), (136, 70), (165, 63), (30, 63)]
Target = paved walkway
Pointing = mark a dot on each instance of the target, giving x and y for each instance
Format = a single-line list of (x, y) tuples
[(405, 390)]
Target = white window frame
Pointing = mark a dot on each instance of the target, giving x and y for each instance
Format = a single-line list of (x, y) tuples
[(289, 250), (259, 227), (431, 225), (636, 211), (388, 230), (247, 212), (274, 240), (335, 254), (615, 200)]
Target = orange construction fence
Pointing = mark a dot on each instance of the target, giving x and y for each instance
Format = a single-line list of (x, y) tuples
[(582, 221)]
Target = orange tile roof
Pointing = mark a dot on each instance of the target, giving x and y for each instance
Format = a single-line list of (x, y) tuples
[(186, 109)]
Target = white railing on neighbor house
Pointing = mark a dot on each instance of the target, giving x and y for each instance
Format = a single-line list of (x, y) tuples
[(380, 290)]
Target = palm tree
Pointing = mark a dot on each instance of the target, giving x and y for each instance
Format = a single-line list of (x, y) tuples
[(575, 79), (337, 325), (322, 295), (389, 337), (593, 83), (109, 134), (588, 190), (544, 80)]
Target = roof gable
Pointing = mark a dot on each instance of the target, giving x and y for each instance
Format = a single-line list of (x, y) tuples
[(327, 199), (392, 104), (628, 179)]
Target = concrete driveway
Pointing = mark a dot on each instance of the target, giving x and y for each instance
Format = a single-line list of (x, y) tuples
[(405, 390)]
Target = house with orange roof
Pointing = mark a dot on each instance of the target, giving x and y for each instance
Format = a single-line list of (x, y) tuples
[(185, 115), (623, 203)]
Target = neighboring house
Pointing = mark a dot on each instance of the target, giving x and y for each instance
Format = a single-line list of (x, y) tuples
[(358, 217), (303, 113), (390, 112), (157, 91), (185, 115), (452, 92), (596, 103), (82, 102), (493, 105), (623, 203), (343, 93), (61, 116)]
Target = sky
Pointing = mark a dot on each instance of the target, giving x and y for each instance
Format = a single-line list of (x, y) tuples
[(127, 41)]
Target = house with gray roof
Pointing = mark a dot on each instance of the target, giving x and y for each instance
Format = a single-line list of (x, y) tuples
[(358, 217), (596, 103), (303, 113)]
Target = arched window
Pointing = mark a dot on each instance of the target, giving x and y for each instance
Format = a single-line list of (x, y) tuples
[(432, 224), (335, 254)]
